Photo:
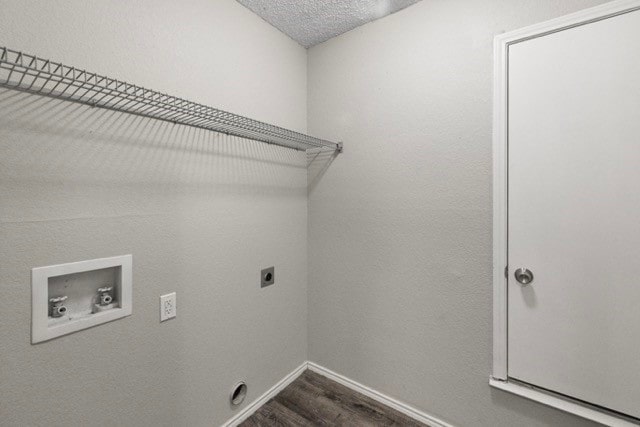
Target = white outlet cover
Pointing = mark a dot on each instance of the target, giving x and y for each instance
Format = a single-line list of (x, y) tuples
[(168, 306)]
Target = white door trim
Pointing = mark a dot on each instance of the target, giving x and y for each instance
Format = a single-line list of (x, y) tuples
[(500, 373), (567, 405)]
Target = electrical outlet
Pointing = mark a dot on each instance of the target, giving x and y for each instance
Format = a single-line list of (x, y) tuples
[(167, 306)]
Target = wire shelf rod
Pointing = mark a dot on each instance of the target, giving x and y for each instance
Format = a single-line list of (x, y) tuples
[(29, 73)]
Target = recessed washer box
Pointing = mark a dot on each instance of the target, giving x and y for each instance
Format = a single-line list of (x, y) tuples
[(66, 298)]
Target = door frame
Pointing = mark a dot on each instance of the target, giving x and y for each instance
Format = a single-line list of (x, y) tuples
[(500, 372)]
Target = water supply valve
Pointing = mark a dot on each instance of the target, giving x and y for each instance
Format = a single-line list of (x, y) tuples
[(105, 296), (57, 307)]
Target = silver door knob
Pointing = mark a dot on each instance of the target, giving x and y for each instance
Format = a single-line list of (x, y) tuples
[(524, 276)]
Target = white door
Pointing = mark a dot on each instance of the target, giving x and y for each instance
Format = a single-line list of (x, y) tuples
[(574, 212)]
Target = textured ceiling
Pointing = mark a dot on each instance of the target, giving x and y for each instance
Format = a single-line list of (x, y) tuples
[(310, 22)]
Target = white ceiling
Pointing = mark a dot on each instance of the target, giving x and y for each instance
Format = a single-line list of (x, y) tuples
[(310, 22)]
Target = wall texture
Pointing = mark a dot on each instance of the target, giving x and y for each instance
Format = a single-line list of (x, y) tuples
[(400, 223), (201, 214)]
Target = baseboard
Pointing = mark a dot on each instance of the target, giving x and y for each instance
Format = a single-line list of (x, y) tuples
[(380, 397), (256, 404), (341, 379)]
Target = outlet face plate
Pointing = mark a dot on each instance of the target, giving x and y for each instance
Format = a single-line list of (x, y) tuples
[(168, 306), (267, 277)]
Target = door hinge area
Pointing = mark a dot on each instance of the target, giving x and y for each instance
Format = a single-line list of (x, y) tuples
[(506, 272)]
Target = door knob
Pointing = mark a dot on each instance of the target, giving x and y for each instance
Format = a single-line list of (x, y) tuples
[(524, 276)]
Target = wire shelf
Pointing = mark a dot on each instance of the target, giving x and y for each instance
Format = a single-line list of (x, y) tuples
[(28, 73)]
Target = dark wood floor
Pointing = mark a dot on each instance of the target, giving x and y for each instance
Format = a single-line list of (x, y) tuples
[(313, 400)]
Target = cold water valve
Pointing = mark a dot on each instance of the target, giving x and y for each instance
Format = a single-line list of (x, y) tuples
[(105, 296)]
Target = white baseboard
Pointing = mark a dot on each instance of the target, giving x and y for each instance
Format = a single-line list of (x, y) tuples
[(341, 379), (380, 397), (256, 404)]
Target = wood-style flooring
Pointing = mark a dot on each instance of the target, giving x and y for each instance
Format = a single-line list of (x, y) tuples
[(313, 400)]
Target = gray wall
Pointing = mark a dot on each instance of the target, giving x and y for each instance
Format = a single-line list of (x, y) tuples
[(201, 213), (400, 223)]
